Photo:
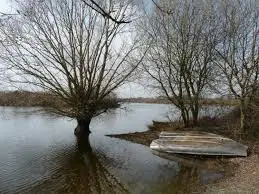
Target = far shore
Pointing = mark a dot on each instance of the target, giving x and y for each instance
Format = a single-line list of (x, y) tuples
[(43, 99), (204, 101)]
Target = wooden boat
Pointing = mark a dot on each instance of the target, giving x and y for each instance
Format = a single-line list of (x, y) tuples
[(198, 143)]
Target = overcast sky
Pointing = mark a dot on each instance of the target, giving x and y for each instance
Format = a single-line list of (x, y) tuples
[(5, 5), (128, 90)]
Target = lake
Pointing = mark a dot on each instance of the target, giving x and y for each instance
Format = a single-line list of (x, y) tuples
[(40, 154)]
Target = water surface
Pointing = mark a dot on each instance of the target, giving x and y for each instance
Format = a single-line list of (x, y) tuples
[(40, 154)]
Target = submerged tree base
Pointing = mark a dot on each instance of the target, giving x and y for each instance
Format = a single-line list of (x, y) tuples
[(79, 132), (83, 128)]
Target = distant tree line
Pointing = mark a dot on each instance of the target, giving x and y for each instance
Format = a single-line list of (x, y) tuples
[(23, 98)]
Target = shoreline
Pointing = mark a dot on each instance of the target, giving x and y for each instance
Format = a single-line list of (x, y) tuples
[(204, 102), (23, 98), (241, 174)]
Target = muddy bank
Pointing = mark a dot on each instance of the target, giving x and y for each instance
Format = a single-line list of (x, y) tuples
[(146, 137), (239, 174), (245, 178)]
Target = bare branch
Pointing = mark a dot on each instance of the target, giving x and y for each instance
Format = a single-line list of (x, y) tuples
[(95, 6)]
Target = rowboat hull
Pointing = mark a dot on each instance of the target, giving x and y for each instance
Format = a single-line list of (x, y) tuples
[(198, 143)]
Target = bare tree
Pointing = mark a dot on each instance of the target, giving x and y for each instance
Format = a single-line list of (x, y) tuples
[(239, 50), (180, 61), (67, 48)]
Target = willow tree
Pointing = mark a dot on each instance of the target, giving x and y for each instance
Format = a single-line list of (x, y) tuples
[(238, 52), (72, 51), (182, 38)]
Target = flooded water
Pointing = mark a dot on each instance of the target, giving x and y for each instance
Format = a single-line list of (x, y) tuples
[(39, 154)]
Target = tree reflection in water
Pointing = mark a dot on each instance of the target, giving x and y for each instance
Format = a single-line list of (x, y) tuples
[(193, 174), (82, 172), (80, 169)]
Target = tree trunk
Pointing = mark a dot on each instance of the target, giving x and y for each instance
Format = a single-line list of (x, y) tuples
[(185, 117), (83, 127), (83, 144), (195, 116), (242, 116)]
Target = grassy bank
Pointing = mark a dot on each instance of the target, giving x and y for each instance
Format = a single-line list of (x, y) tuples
[(226, 125)]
